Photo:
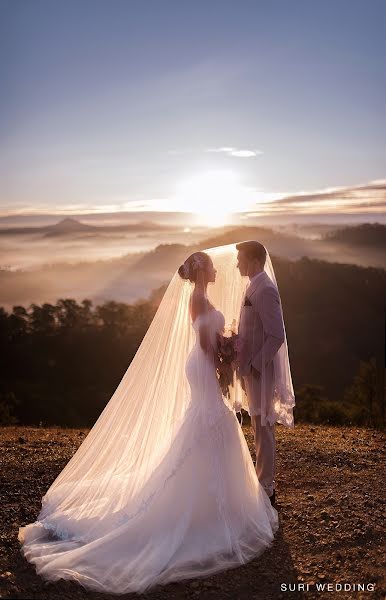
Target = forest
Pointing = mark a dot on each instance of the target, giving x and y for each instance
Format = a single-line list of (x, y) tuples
[(61, 363)]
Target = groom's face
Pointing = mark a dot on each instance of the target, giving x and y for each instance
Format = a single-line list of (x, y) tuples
[(242, 263)]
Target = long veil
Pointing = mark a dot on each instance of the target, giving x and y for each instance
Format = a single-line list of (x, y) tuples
[(283, 402), (110, 471)]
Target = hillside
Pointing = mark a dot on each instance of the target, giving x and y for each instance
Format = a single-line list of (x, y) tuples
[(329, 496), (366, 234)]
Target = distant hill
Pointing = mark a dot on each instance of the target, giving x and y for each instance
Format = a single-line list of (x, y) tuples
[(366, 234), (69, 226), (164, 259)]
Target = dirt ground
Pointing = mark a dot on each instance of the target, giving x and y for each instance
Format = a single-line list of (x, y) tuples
[(330, 501)]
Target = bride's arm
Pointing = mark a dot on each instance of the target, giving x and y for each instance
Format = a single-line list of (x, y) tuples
[(207, 346), (199, 307)]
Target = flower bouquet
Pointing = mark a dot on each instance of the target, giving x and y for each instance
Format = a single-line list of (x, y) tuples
[(228, 348)]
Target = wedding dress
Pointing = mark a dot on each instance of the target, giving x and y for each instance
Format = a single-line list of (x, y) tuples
[(209, 512), (163, 488)]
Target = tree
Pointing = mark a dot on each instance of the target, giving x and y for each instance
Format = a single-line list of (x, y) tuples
[(43, 318), (362, 393), (308, 399)]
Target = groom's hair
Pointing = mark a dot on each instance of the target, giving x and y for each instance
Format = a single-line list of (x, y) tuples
[(253, 249)]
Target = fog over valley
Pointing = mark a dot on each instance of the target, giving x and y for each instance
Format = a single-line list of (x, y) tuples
[(126, 262)]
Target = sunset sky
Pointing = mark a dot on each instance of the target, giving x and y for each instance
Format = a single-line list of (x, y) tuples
[(211, 106)]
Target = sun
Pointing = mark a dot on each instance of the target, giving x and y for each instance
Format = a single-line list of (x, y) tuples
[(212, 196)]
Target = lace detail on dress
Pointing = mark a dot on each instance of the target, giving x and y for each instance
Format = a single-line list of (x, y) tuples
[(123, 517), (215, 427), (60, 532)]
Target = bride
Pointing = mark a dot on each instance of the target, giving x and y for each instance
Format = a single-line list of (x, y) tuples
[(163, 488)]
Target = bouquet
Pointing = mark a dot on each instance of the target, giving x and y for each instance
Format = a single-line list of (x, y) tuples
[(228, 348)]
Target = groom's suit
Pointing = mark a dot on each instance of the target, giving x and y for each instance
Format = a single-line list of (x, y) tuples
[(261, 331)]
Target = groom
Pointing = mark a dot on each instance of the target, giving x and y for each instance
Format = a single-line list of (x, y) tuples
[(261, 325)]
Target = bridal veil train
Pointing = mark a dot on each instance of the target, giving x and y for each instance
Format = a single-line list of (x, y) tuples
[(163, 488)]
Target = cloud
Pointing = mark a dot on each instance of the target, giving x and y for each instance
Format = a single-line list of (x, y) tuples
[(362, 198), (356, 199), (235, 152), (231, 151), (374, 191), (244, 153)]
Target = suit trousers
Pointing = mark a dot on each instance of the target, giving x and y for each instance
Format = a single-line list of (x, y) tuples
[(265, 440), (265, 444)]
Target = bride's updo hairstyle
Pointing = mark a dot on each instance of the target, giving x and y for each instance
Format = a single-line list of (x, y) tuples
[(196, 262)]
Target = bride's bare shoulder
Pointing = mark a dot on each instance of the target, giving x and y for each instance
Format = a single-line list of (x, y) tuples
[(198, 303)]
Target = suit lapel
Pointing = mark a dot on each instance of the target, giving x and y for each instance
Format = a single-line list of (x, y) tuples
[(252, 288), (256, 284)]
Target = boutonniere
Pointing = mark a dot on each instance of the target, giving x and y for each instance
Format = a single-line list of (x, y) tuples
[(247, 301)]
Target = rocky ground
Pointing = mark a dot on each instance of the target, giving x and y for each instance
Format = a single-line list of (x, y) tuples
[(330, 504)]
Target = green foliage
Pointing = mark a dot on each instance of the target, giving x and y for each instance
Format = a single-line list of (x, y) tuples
[(308, 398), (362, 405), (312, 406), (333, 413), (63, 362), (365, 396)]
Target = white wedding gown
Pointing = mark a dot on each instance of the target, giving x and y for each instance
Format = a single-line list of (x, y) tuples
[(209, 512)]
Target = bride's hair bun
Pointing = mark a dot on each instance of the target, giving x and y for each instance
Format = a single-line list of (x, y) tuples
[(183, 272), (194, 262)]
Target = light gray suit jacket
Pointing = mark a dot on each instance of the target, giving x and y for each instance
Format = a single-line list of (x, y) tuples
[(261, 328)]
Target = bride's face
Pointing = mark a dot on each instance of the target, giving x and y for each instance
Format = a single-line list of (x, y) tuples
[(211, 273)]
